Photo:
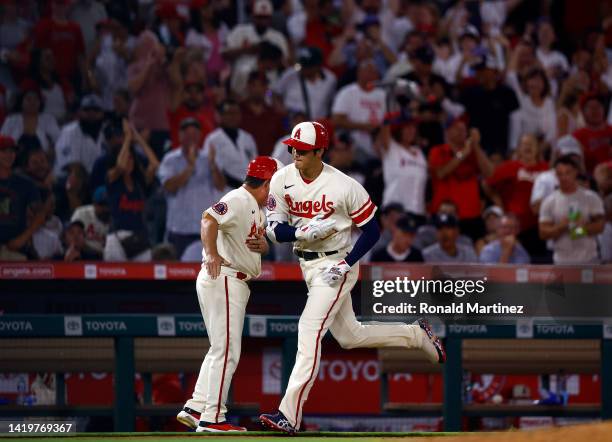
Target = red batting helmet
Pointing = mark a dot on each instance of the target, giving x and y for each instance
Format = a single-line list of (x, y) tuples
[(262, 167), (308, 135)]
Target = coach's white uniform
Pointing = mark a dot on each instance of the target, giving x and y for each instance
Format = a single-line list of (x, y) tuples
[(344, 200), (223, 300)]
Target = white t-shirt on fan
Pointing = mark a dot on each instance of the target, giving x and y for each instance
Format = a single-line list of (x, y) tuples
[(405, 175), (362, 107)]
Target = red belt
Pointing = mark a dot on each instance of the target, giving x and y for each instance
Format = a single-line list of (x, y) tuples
[(234, 273)]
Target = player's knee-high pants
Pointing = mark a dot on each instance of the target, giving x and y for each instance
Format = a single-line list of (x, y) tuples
[(331, 308), (223, 302)]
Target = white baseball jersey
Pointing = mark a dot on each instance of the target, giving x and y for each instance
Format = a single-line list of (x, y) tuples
[(74, 146), (334, 194), (341, 198), (239, 217)]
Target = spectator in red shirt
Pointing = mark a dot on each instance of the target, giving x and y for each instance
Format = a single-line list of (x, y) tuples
[(194, 104), (65, 40), (455, 171), (510, 188), (259, 118), (596, 135)]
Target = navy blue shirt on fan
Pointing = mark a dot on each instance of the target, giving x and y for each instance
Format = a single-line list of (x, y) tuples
[(127, 208), (17, 193)]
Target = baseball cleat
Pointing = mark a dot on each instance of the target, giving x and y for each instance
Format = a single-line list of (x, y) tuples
[(221, 427), (432, 345), (188, 417), (277, 422)]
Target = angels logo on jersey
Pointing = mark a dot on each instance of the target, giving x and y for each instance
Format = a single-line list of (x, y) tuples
[(309, 209), (220, 208), (271, 204)]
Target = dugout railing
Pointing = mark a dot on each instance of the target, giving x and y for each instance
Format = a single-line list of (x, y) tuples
[(122, 336), (125, 332)]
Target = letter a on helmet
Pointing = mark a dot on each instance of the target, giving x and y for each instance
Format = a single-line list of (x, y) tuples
[(308, 135)]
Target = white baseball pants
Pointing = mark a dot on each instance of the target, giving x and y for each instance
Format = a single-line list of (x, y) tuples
[(223, 302), (331, 308)]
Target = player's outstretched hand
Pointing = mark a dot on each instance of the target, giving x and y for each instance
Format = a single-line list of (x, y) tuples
[(317, 228), (213, 265), (333, 273)]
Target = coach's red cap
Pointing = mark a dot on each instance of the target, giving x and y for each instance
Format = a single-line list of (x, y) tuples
[(308, 135), (6, 143), (262, 167)]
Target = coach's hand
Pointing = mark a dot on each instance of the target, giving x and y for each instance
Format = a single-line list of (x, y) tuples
[(257, 244), (317, 228), (333, 273), (213, 265)]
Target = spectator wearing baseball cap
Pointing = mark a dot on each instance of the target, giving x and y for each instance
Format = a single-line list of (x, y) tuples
[(307, 87), (187, 179), (596, 136), (76, 244), (572, 217), (491, 216), (18, 196), (113, 137), (423, 73), (81, 141), (462, 61), (400, 249), (547, 182), (489, 103), (427, 233), (447, 249), (95, 219), (243, 41)]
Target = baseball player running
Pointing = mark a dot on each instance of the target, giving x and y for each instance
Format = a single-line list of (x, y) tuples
[(314, 206), (233, 239)]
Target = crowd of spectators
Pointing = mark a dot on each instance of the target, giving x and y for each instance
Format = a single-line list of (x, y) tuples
[(481, 129)]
